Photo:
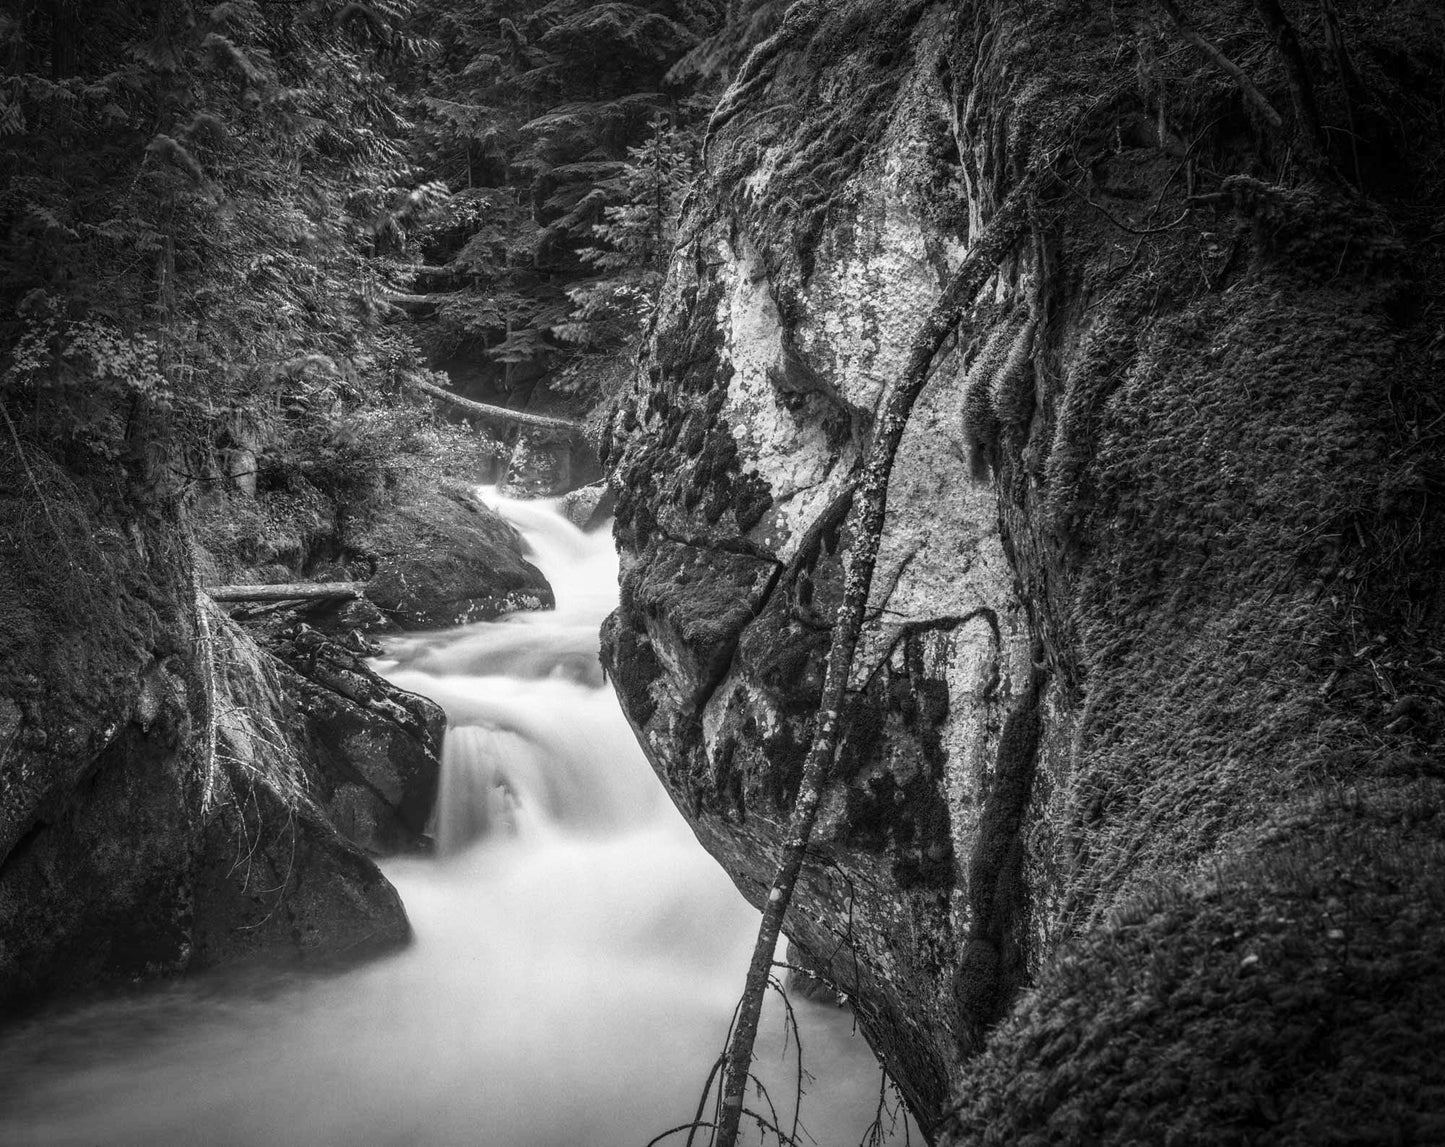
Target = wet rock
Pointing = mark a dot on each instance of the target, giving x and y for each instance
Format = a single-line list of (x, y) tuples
[(276, 883), (733, 462), (1107, 643), (98, 890), (442, 558), (156, 810), (371, 751), (589, 507), (804, 984)]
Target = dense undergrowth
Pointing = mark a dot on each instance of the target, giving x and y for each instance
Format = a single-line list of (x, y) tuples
[(198, 205), (217, 218)]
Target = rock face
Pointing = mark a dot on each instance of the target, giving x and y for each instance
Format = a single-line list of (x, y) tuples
[(172, 797), (370, 752), (1158, 583)]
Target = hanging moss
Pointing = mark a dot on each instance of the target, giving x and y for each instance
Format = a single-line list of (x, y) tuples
[(855, 58), (1012, 394), (993, 968)]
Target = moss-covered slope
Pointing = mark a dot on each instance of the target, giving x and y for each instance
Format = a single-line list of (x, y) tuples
[(1155, 641)]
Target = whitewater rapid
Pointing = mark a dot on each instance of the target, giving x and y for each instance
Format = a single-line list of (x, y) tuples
[(577, 955)]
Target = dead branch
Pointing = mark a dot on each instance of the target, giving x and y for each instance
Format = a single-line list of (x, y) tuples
[(1297, 74), (413, 304), (1119, 223), (697, 1119), (1224, 64), (870, 506), (695, 1125), (875, 1134)]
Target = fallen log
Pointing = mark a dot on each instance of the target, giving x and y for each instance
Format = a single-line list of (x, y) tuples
[(288, 591), (413, 303), (498, 413)]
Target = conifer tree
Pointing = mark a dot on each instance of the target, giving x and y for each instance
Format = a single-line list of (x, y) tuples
[(195, 205), (558, 128)]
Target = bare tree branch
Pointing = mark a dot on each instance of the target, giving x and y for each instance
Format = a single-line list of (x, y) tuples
[(1224, 64), (413, 303), (289, 591)]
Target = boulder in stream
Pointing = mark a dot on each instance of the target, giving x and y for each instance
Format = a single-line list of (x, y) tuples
[(589, 507), (443, 558), (158, 809), (372, 751)]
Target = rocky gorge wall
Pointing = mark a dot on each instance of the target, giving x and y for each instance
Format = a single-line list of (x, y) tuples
[(1133, 830), (179, 792)]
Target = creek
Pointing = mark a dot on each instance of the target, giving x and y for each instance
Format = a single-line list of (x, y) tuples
[(576, 962)]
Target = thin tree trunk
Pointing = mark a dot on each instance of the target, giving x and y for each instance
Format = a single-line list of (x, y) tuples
[(1349, 78), (1297, 73), (870, 506)]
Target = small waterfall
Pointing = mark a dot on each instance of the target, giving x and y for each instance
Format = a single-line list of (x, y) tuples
[(535, 743), (577, 954), (532, 756), (491, 779)]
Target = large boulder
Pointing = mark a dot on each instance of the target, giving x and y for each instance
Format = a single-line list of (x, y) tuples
[(371, 751), (309, 772), (1158, 580), (154, 817), (440, 557)]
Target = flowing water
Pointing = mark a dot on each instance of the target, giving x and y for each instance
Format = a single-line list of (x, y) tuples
[(577, 954)]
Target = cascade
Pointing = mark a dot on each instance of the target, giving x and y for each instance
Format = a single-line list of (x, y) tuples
[(577, 956)]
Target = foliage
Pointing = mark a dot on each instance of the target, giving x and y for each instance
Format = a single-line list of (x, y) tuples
[(561, 130), (197, 207), (637, 235)]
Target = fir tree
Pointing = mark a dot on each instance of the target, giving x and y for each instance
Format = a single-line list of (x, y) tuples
[(197, 206), (567, 145)]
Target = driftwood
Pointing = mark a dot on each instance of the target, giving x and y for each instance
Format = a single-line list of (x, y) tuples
[(291, 591), (499, 413)]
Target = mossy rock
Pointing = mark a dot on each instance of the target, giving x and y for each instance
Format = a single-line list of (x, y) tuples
[(442, 558)]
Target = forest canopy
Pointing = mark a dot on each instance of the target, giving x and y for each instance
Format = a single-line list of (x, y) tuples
[(255, 221)]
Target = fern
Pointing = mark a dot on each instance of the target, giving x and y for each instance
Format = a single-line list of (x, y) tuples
[(164, 147), (223, 51), (12, 118)]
